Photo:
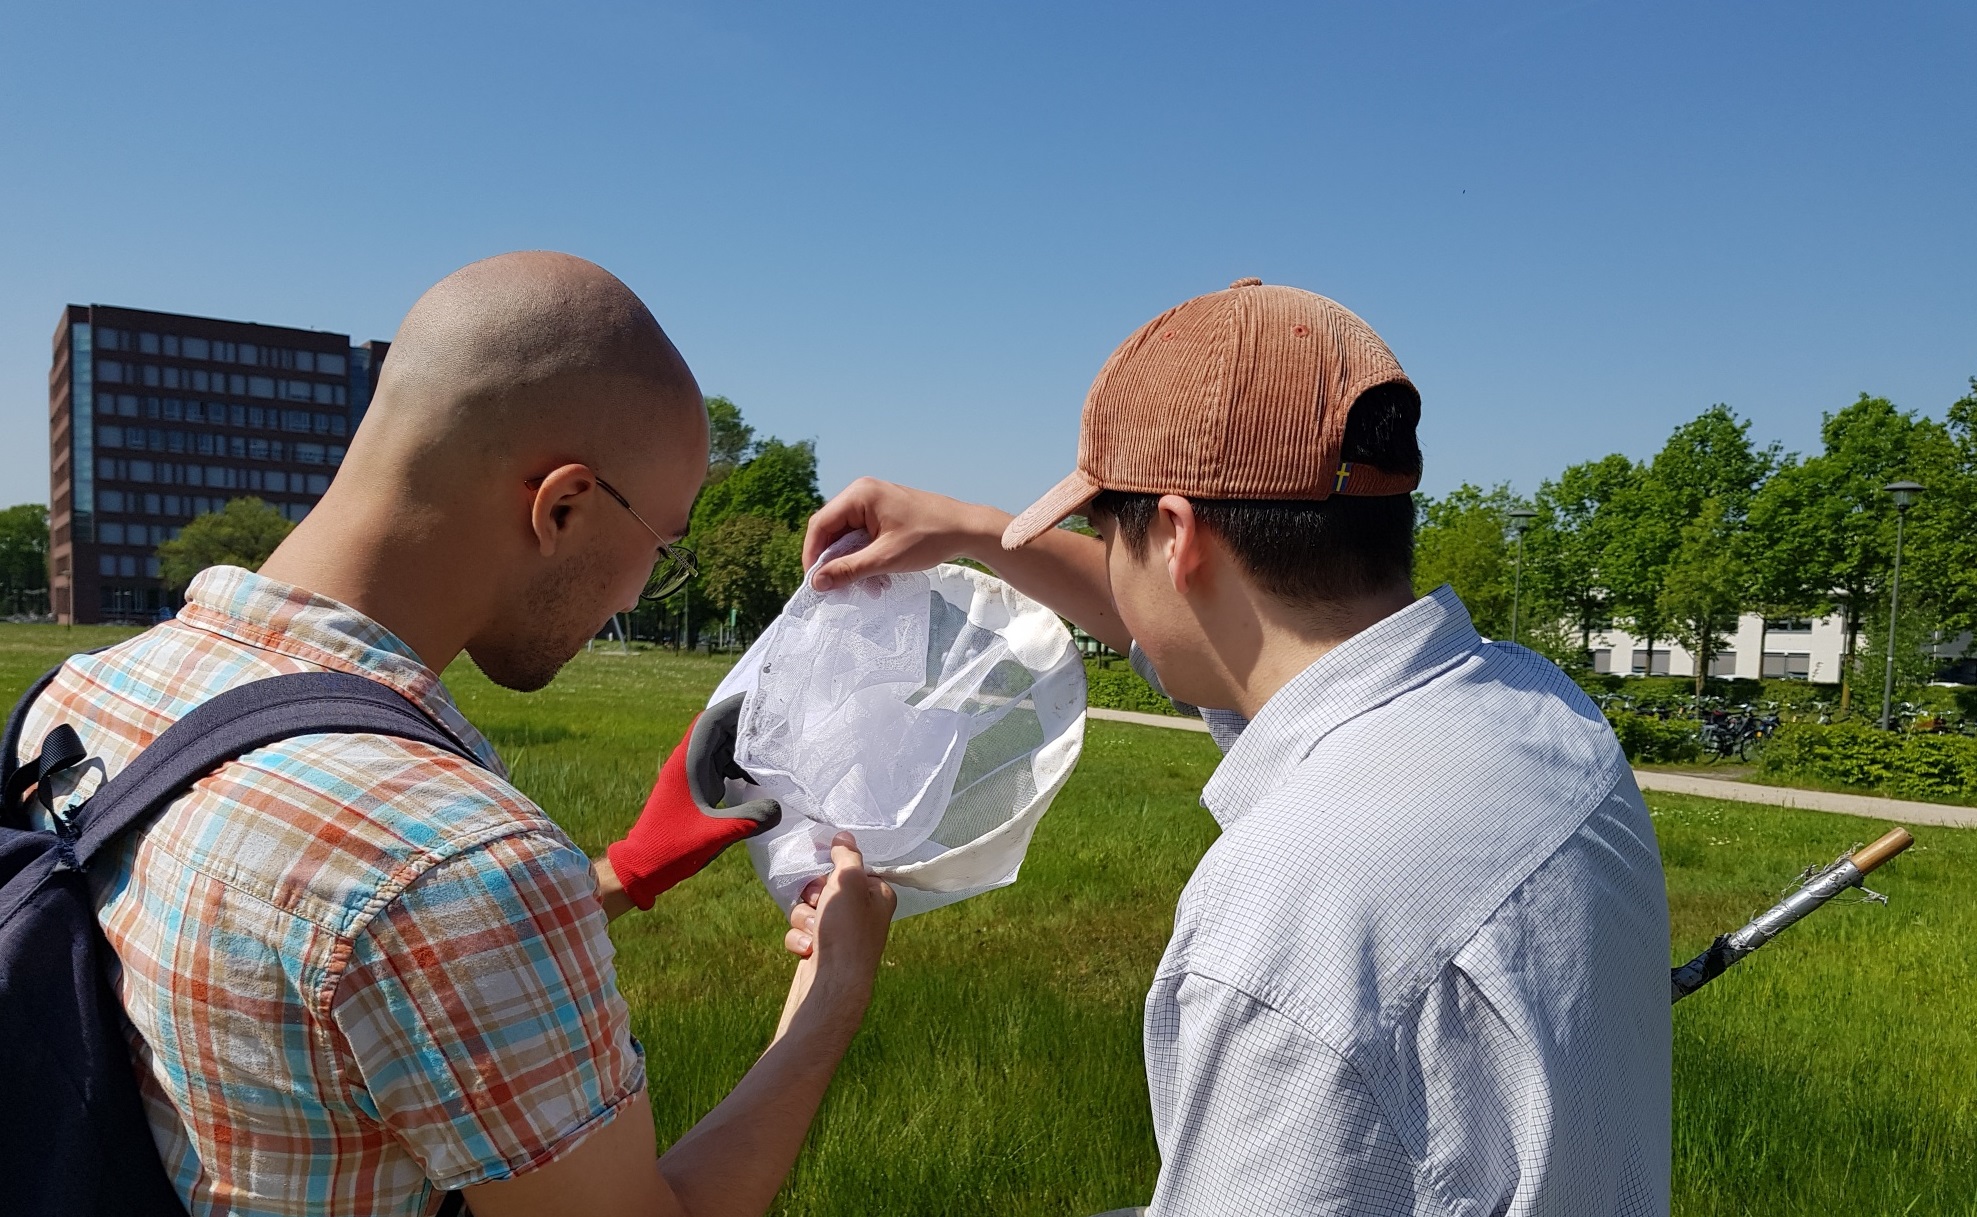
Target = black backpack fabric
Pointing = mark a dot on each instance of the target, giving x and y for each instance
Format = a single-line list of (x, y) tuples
[(74, 1139)]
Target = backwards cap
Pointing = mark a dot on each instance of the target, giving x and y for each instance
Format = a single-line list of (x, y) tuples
[(1238, 394)]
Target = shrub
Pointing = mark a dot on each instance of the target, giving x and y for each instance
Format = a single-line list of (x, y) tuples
[(1113, 684), (1854, 754), (1645, 738)]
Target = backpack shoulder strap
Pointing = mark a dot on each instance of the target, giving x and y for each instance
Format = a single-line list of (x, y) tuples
[(10, 744), (237, 722)]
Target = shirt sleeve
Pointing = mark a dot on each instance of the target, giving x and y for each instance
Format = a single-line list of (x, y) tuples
[(481, 1013), (1224, 726), (1255, 1115)]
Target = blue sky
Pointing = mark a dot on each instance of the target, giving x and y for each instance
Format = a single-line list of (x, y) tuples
[(913, 232)]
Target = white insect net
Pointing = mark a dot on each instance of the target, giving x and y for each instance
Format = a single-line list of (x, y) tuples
[(934, 715)]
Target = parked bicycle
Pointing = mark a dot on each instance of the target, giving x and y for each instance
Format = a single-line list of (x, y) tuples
[(1741, 733)]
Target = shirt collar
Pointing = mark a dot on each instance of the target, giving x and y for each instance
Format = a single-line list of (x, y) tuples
[(271, 616), (1369, 669)]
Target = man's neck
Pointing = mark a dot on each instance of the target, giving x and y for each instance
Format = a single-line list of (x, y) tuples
[(407, 580), (1289, 640)]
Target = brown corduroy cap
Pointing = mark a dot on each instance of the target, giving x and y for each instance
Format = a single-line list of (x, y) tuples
[(1239, 394)]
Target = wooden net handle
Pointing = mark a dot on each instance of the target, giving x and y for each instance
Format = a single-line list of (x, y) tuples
[(1867, 857)]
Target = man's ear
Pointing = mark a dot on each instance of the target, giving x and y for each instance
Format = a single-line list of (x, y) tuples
[(566, 489), (1181, 542)]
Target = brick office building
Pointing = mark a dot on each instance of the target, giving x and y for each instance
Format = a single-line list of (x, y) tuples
[(156, 418)]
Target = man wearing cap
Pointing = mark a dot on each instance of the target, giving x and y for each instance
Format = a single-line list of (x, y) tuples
[(1424, 968)]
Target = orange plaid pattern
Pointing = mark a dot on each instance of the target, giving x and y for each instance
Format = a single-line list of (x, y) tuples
[(360, 970)]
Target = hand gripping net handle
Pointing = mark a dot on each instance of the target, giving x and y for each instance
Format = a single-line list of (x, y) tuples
[(1729, 948)]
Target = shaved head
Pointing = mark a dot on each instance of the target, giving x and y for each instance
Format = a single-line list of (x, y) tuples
[(533, 447), (523, 352)]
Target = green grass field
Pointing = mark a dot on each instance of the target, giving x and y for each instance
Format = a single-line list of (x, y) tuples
[(999, 1071)]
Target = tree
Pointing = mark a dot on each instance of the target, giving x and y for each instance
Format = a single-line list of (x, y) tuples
[(24, 558), (1464, 540), (1825, 525), (746, 566), (243, 533), (1941, 558), (750, 564), (1707, 459), (730, 441), (1703, 590), (1565, 549), (779, 481)]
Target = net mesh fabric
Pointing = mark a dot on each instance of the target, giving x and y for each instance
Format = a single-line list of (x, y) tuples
[(933, 714)]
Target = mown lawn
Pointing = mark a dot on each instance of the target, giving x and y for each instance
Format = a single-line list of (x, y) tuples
[(999, 1071)]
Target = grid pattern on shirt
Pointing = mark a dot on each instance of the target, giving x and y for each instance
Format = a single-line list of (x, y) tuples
[(359, 969), (1424, 968)]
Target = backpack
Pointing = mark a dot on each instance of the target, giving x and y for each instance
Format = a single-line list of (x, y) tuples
[(74, 1139)]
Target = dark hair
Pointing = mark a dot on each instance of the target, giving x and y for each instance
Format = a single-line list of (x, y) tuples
[(1313, 551)]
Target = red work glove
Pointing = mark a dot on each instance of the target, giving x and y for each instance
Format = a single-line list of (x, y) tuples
[(683, 827)]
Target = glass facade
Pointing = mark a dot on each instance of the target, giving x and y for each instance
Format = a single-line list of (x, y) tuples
[(82, 433)]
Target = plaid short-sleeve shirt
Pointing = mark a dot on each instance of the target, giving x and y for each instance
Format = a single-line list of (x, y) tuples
[(360, 970)]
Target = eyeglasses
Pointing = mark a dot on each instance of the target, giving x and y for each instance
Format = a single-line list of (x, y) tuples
[(675, 568)]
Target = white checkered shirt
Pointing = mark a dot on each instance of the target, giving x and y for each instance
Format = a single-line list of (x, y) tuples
[(1424, 970)]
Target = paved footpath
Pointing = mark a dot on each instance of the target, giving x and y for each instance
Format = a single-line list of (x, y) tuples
[(1900, 810)]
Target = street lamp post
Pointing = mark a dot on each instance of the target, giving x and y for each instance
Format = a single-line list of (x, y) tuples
[(1904, 493), (1520, 519)]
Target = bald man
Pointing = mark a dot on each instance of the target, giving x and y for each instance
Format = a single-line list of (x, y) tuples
[(363, 972)]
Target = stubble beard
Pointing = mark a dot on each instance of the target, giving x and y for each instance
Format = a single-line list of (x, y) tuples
[(556, 617)]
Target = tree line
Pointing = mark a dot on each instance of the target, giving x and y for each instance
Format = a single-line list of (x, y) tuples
[(1676, 547)]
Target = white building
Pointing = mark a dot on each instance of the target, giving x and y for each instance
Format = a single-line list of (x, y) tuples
[(1792, 649)]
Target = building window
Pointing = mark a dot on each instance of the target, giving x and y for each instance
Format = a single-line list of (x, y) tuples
[(1640, 664), (330, 365), (109, 437), (147, 344), (196, 348), (335, 455), (127, 565), (109, 371), (247, 352), (308, 454), (336, 422), (1787, 665), (106, 564), (113, 500), (150, 375), (1723, 664), (318, 484), (1603, 660), (260, 386), (1788, 625), (110, 533), (236, 384), (107, 338)]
